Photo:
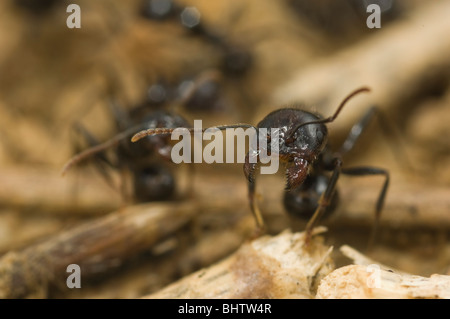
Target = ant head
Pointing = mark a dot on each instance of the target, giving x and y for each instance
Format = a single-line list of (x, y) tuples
[(309, 138), (306, 142)]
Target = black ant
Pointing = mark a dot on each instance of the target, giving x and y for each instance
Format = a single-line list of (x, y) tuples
[(304, 149), (236, 59), (152, 180)]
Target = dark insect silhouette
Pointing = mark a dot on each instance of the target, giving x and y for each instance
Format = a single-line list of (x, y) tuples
[(36, 7), (147, 163), (236, 59), (343, 19), (303, 147), (202, 93), (151, 177)]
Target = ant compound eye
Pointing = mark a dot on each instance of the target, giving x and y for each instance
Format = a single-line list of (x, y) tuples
[(319, 135)]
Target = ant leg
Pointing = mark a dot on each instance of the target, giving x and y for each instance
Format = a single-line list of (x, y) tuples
[(325, 199), (91, 141), (356, 131), (249, 171), (387, 128), (98, 148), (364, 171), (100, 159), (121, 117)]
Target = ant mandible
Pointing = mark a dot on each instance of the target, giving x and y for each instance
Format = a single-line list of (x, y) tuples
[(304, 148)]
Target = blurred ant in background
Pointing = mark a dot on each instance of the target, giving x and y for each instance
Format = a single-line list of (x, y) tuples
[(303, 147), (236, 60), (343, 19), (36, 7), (152, 178), (203, 93)]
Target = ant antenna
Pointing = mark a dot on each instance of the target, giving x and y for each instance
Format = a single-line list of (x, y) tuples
[(333, 117), (98, 148), (165, 131)]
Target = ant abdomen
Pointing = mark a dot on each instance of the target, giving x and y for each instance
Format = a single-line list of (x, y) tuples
[(302, 201)]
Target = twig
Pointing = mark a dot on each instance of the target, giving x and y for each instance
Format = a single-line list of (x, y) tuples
[(96, 247), (175, 257), (377, 281), (44, 190), (407, 204)]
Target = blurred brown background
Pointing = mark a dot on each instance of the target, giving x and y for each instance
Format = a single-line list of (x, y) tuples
[(313, 53)]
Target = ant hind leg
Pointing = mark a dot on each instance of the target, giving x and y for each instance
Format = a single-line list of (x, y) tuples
[(100, 160), (364, 171)]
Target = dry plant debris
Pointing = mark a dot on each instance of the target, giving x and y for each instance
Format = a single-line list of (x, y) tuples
[(269, 267), (53, 78), (368, 279)]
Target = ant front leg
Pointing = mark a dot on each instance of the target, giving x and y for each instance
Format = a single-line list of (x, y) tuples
[(101, 161), (387, 128), (364, 171), (250, 166), (325, 199)]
